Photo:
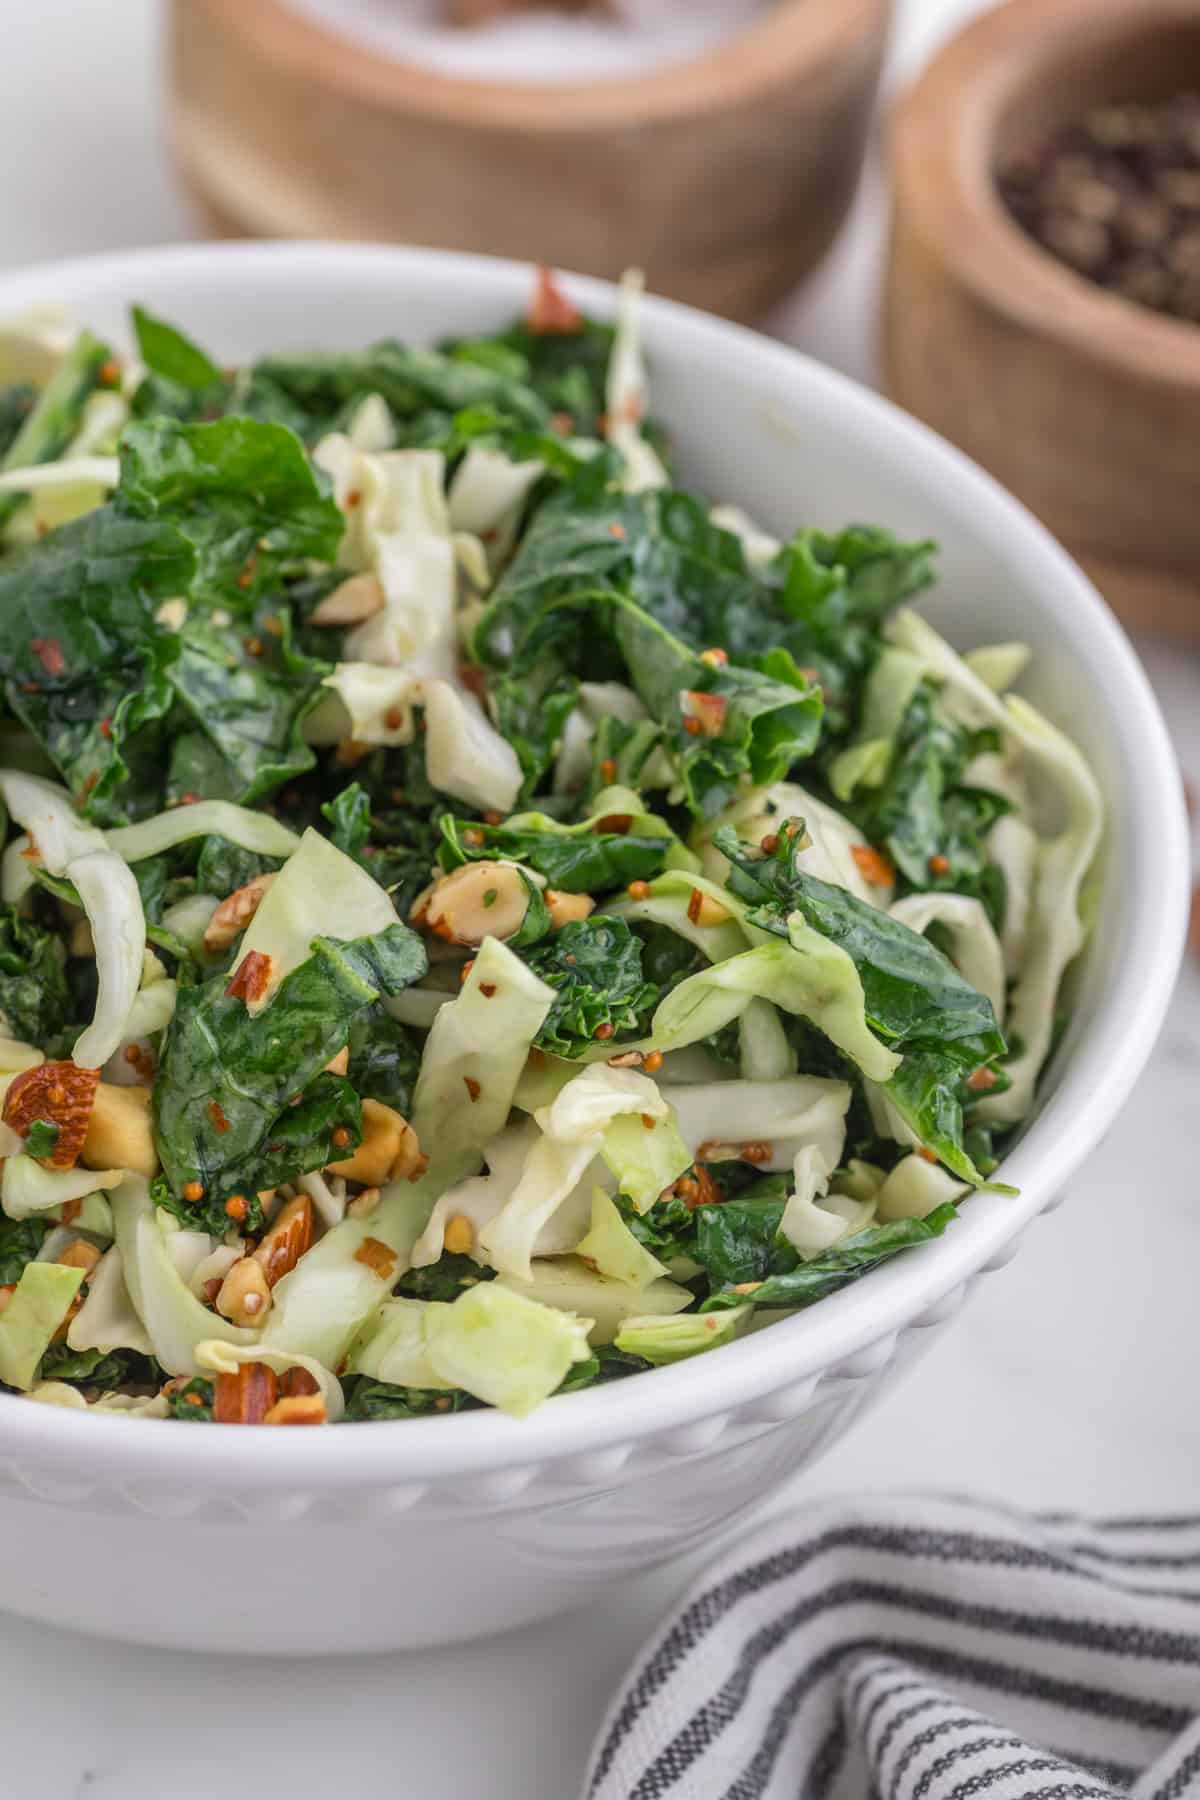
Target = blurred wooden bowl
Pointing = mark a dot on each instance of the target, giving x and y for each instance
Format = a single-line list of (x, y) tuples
[(725, 178), (1086, 405)]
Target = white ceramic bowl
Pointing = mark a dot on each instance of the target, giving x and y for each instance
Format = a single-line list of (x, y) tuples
[(395, 1535)]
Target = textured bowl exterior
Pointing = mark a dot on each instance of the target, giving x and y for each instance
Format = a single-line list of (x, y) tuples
[(397, 1535)]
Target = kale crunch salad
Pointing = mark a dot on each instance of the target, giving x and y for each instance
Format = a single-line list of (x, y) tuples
[(476, 919)]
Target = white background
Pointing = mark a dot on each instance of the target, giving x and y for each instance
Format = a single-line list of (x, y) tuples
[(1070, 1380)]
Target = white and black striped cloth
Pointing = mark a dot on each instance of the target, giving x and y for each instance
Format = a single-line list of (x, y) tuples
[(923, 1649)]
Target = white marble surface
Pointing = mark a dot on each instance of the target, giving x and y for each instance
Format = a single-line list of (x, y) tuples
[(1059, 1385)]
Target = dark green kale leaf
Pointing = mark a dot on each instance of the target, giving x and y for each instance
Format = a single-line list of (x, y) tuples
[(388, 821), (369, 1399), (242, 492), (424, 389), (20, 1241), (41, 1137), (606, 1363), (34, 999), (243, 698), (736, 1240), (531, 711), (195, 1400), (577, 862), (222, 868), (667, 1230), (48, 428), (84, 666), (596, 967), (384, 1059), (916, 1001), (98, 1368), (568, 370), (443, 1280), (181, 380), (223, 1101), (16, 404), (932, 825), (854, 1257)]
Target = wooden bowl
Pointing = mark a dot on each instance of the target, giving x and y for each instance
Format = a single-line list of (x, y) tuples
[(725, 178), (1086, 405)]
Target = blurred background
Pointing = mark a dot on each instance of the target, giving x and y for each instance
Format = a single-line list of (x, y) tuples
[(994, 323)]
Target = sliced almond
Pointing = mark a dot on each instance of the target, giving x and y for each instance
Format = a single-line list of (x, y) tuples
[(355, 600), (478, 900), (563, 908), (246, 1397), (288, 1239), (64, 1095), (234, 914)]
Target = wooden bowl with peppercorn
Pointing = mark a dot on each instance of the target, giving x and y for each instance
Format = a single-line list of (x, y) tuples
[(1043, 290)]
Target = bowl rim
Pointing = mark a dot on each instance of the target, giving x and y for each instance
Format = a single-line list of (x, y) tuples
[(791, 37), (1097, 1075), (942, 136)]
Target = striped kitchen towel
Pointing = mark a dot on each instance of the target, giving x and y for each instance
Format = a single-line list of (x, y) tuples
[(918, 1648)]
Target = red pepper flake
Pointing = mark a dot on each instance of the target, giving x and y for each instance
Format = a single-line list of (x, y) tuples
[(71, 1210), (91, 781), (616, 823), (703, 712), (757, 1153), (105, 728), (873, 866), (247, 574), (982, 1080), (253, 646), (693, 727), (770, 844), (217, 1118), (473, 679), (563, 423), (189, 799), (473, 838), (251, 977), (616, 529), (487, 989), (353, 499), (939, 864), (393, 718), (472, 1086), (694, 905), (716, 658), (465, 971), (608, 769), (108, 375), (649, 1121), (210, 1290), (49, 653), (550, 313), (930, 1156), (604, 1031), (492, 817)]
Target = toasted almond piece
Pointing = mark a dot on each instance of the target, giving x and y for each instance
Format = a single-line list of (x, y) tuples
[(244, 1296), (338, 1065), (459, 1237), (408, 1163), (359, 598), (365, 1203), (382, 1142), (565, 907), (297, 1409), (61, 1093), (702, 909), (234, 914), (119, 1132), (79, 1254), (246, 1397), (289, 1237), (478, 900)]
